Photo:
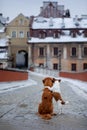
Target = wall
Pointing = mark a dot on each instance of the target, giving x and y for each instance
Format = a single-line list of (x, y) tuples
[(12, 75), (79, 76)]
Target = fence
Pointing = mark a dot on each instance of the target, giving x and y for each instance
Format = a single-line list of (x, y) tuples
[(47, 71)]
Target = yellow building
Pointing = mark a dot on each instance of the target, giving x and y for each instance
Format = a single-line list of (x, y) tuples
[(18, 31)]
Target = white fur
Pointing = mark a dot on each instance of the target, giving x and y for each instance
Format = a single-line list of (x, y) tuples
[(56, 88)]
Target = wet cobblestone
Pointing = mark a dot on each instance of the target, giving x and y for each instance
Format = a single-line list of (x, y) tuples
[(20, 111)]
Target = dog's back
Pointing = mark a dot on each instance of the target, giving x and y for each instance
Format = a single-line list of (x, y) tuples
[(45, 108)]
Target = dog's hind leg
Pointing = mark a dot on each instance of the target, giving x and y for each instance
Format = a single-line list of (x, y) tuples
[(59, 107)]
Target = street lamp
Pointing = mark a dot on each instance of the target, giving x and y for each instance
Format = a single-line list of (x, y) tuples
[(59, 55), (9, 48), (46, 64)]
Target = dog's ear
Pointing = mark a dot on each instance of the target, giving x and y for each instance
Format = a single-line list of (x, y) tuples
[(53, 80), (59, 80), (43, 81)]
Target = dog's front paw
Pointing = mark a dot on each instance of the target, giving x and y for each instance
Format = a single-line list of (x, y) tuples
[(66, 102), (63, 103)]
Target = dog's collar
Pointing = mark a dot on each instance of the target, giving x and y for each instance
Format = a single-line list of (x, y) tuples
[(46, 86)]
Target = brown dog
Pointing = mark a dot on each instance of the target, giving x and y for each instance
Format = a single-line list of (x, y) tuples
[(45, 108), (49, 83)]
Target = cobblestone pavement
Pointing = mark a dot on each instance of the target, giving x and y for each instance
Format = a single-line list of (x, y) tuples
[(18, 109)]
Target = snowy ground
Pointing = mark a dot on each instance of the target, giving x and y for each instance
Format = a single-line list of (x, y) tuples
[(11, 86), (78, 86), (19, 105)]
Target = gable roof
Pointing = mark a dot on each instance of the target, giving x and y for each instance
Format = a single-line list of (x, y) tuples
[(17, 18)]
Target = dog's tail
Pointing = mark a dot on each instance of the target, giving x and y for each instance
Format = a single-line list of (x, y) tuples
[(45, 116)]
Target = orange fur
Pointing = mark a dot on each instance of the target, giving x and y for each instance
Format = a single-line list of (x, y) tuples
[(48, 81), (57, 96), (45, 108)]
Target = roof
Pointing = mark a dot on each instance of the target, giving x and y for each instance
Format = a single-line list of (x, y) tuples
[(3, 42), (3, 20), (18, 17), (2, 29), (57, 23), (62, 39), (3, 55)]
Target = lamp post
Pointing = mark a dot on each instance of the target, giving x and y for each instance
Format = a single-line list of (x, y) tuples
[(9, 48), (59, 65), (46, 65)]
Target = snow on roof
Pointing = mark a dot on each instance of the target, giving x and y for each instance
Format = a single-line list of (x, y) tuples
[(2, 29), (44, 23), (3, 55), (62, 39), (3, 42), (2, 19)]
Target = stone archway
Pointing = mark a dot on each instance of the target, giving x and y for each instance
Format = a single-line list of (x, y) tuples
[(22, 59)]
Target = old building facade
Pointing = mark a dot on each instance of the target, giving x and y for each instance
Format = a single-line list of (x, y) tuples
[(57, 41), (4, 42), (18, 31)]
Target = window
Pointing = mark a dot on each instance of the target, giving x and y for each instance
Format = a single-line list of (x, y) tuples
[(73, 33), (14, 34), (21, 34), (55, 51), (84, 66), (85, 33), (85, 51), (55, 66), (28, 35), (73, 67), (21, 21), (42, 34), (56, 35), (41, 51), (73, 51)]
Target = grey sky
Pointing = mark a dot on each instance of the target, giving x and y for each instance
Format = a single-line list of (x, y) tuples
[(12, 8)]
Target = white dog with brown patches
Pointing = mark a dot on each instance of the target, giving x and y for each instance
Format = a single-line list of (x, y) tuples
[(56, 88)]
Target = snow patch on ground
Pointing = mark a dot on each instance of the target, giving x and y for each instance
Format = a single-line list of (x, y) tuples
[(10, 86), (78, 86)]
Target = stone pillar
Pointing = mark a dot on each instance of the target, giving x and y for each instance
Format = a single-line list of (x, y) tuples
[(80, 55), (48, 56), (64, 52), (29, 56)]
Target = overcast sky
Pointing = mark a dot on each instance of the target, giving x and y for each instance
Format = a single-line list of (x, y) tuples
[(11, 8)]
